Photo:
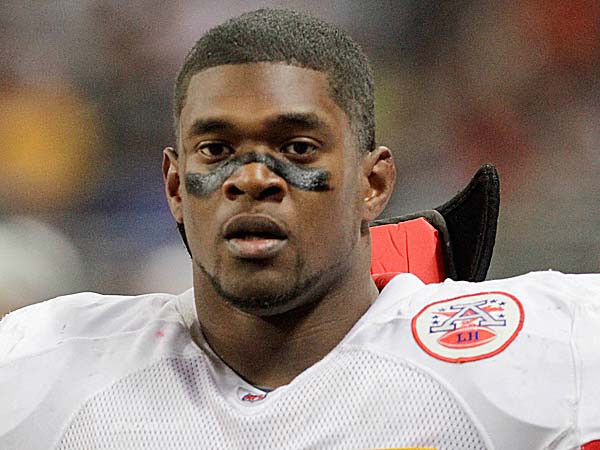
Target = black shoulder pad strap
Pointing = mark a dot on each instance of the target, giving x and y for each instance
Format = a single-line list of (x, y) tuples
[(472, 218), (466, 225)]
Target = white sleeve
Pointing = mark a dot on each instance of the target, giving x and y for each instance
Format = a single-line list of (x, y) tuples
[(33, 328), (11, 333), (586, 352)]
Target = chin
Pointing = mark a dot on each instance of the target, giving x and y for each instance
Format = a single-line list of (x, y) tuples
[(267, 296), (262, 308), (272, 292), (263, 302)]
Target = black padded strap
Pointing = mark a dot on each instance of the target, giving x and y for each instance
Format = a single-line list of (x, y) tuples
[(472, 217), (466, 224)]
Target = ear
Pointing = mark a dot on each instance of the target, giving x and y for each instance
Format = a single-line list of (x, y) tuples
[(380, 174), (170, 169)]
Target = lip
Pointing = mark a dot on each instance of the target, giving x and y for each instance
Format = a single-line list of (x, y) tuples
[(254, 236)]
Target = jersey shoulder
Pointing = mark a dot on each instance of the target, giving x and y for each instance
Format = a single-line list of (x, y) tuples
[(537, 290), (538, 333), (459, 321), (86, 315)]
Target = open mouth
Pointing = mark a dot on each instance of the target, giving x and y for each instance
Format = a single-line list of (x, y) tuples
[(254, 236)]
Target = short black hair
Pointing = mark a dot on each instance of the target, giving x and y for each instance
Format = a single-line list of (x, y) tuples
[(297, 39)]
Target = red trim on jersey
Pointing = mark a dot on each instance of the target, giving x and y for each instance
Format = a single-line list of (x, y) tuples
[(478, 357), (593, 445)]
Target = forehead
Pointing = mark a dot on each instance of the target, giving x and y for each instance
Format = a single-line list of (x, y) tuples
[(252, 92)]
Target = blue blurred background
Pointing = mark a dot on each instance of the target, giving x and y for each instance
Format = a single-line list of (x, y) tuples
[(85, 111)]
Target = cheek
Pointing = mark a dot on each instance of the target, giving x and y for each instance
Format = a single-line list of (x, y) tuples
[(330, 222), (199, 225)]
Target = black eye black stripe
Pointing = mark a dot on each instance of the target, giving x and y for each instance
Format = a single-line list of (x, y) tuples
[(305, 178)]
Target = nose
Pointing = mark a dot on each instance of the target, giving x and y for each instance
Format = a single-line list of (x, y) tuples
[(257, 181)]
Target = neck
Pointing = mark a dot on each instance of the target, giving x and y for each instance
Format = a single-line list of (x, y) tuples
[(271, 351)]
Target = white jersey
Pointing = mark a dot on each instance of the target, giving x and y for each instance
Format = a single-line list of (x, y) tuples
[(500, 365)]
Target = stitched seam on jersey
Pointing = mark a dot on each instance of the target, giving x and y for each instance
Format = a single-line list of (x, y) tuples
[(579, 308), (180, 306), (412, 365), (576, 369), (12, 331), (37, 309), (76, 339)]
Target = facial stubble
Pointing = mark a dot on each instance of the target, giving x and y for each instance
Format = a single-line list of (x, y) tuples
[(305, 289)]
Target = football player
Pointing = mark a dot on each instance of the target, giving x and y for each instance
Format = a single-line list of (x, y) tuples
[(285, 341)]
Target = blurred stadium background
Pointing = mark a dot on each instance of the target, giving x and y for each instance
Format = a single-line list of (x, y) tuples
[(85, 112)]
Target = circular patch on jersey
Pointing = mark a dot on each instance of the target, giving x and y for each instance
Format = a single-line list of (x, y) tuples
[(470, 327)]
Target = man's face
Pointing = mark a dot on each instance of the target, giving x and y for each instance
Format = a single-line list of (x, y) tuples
[(270, 185)]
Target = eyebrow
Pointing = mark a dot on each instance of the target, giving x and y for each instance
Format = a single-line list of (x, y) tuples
[(205, 126), (305, 121)]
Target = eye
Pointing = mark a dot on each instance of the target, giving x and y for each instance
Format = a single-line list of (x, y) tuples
[(215, 150), (299, 148)]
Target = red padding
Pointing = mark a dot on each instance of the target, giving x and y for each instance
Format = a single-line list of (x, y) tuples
[(594, 445), (381, 279), (412, 246)]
